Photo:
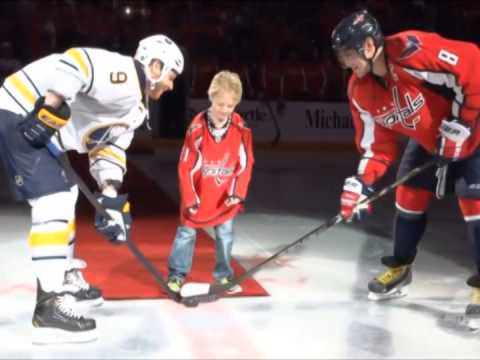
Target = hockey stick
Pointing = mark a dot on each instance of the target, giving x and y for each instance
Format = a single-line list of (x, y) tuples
[(64, 162), (217, 291)]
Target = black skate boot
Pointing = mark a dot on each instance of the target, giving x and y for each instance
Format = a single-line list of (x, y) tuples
[(86, 294), (54, 320), (472, 312), (392, 283)]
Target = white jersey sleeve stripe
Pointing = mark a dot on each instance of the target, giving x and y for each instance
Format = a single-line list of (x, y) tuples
[(63, 61), (14, 99), (440, 78), (368, 137), (242, 154), (196, 167), (31, 83), (92, 76)]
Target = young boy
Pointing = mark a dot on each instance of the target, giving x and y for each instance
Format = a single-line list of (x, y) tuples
[(214, 170)]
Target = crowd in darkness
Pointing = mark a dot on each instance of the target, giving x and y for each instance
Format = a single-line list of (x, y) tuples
[(279, 47)]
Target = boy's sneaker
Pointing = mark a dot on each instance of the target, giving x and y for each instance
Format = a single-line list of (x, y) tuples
[(227, 283), (175, 284), (86, 293)]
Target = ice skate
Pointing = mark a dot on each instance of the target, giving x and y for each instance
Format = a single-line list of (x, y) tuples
[(472, 312), (55, 320), (86, 294), (391, 284)]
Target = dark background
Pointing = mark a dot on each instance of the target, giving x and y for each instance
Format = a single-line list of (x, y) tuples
[(280, 48)]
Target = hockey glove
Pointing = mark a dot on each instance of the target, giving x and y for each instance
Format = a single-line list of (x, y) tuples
[(117, 227), (354, 191), (453, 136), (42, 122)]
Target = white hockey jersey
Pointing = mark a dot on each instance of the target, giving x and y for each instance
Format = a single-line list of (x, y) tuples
[(104, 92)]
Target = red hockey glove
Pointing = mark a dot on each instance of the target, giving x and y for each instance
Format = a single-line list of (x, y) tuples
[(354, 191), (453, 136)]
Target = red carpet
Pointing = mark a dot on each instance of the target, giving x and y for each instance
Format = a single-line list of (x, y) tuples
[(155, 218)]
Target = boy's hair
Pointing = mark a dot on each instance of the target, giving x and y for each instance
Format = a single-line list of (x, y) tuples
[(226, 81)]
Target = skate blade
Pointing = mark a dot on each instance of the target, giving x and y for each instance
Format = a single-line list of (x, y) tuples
[(194, 289), (392, 294), (473, 324), (50, 336), (88, 304)]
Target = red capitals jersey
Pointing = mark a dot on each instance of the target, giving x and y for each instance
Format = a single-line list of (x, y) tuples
[(211, 171), (408, 100)]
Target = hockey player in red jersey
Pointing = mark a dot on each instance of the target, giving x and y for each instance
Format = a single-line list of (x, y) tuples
[(214, 170), (427, 88)]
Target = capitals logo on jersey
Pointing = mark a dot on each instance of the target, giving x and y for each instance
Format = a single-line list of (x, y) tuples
[(218, 170), (406, 115)]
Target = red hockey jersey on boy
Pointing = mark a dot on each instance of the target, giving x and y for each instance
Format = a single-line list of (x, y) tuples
[(209, 172), (407, 100)]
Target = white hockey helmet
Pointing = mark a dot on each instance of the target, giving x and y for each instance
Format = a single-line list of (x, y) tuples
[(162, 48)]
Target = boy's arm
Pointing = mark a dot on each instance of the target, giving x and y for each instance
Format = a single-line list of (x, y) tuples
[(243, 172), (189, 164)]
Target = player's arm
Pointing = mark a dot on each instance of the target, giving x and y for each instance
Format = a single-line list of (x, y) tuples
[(378, 148), (453, 64), (108, 166), (73, 73)]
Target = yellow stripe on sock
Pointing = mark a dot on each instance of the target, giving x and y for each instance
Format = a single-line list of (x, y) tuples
[(49, 238)]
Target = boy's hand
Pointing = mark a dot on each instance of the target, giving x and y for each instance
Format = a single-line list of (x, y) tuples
[(232, 200), (193, 209)]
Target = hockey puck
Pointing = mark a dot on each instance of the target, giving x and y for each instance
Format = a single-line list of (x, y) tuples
[(190, 302)]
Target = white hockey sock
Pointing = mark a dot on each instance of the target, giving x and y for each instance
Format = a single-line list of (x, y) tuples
[(51, 274)]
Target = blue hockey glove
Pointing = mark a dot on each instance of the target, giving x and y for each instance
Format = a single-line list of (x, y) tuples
[(42, 122), (117, 227)]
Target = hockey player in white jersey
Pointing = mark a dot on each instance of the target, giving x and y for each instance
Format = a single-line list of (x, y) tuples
[(87, 100)]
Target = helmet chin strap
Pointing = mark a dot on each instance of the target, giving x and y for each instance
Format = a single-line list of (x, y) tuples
[(375, 56), (153, 82)]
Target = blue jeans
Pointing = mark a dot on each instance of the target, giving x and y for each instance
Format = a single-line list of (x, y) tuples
[(180, 260)]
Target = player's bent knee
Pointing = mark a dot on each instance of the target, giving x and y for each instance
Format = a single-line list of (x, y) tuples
[(470, 208), (60, 205), (412, 201)]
